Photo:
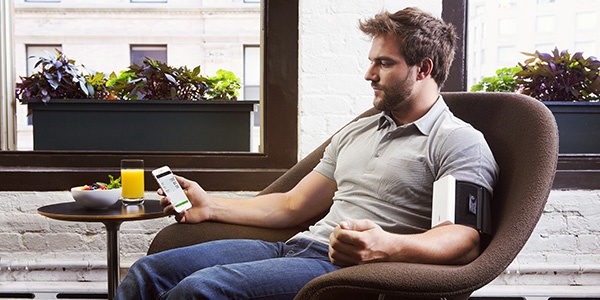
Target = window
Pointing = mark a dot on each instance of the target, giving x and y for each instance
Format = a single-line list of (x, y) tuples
[(140, 52), (588, 48), (507, 55), (544, 24), (586, 21), (507, 3), (251, 72), (24, 129), (148, 1), (479, 11), (190, 30), (34, 51), (576, 32), (507, 27), (251, 82), (544, 47), (33, 170)]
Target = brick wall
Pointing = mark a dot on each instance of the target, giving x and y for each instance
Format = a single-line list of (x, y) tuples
[(333, 58), (564, 250), (37, 248)]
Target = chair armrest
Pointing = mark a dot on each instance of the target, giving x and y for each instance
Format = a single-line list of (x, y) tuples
[(180, 234), (396, 280)]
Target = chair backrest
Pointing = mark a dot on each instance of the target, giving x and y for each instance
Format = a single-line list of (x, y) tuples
[(523, 136)]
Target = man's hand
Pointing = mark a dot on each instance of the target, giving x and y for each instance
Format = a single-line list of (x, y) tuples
[(198, 197), (357, 241)]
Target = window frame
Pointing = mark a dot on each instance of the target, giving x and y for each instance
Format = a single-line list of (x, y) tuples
[(223, 171), (44, 171)]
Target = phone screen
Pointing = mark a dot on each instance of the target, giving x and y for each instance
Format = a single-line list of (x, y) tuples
[(172, 189)]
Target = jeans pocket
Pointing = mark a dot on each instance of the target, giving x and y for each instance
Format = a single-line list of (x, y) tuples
[(307, 248), (300, 248)]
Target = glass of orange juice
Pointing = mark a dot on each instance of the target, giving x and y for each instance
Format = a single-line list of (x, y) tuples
[(132, 181)]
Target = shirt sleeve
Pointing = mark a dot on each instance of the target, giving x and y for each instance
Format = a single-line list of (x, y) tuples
[(468, 157), (327, 164)]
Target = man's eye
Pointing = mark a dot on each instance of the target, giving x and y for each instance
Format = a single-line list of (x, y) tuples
[(385, 64)]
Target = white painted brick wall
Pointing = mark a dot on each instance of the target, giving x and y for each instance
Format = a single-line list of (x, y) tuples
[(333, 59), (37, 248), (564, 249)]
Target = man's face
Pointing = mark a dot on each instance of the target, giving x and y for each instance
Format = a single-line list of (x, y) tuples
[(391, 78)]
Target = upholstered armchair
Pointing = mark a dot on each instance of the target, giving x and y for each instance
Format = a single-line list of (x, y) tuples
[(523, 136)]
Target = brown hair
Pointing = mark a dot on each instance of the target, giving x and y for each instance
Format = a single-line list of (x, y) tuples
[(420, 36)]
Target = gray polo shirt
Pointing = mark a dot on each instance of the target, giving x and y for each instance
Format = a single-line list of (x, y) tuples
[(385, 173)]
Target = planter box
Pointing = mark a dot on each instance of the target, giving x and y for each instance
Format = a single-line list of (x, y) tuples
[(578, 126), (142, 125)]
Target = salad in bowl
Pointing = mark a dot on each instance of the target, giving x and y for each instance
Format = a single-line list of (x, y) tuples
[(98, 195)]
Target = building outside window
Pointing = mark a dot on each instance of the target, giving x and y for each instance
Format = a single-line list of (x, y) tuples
[(107, 38), (499, 36)]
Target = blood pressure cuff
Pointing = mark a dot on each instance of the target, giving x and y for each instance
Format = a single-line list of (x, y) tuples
[(473, 207)]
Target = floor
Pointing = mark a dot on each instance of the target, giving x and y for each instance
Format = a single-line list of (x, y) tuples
[(97, 290)]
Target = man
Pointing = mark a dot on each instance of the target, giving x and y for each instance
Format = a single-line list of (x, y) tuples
[(375, 179)]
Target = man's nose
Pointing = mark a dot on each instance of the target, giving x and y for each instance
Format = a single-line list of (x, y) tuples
[(371, 75)]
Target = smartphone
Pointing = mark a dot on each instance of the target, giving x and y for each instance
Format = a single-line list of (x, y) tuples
[(171, 188)]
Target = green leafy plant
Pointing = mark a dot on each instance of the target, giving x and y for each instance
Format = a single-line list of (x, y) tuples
[(59, 78), (560, 76), (98, 185), (155, 80), (223, 86), (504, 81)]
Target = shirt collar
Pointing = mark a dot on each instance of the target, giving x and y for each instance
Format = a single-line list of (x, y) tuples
[(385, 120), (424, 124)]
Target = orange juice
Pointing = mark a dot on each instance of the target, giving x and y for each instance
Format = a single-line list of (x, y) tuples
[(132, 183)]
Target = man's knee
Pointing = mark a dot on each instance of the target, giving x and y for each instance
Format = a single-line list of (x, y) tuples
[(218, 282), (193, 287)]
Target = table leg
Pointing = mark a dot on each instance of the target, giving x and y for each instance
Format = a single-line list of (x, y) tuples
[(112, 256)]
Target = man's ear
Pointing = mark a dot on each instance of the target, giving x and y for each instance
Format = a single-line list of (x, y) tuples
[(425, 68)]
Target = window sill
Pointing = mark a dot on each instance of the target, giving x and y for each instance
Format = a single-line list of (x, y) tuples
[(577, 172), (574, 171)]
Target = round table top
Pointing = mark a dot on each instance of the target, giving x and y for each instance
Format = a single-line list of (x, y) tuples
[(72, 211)]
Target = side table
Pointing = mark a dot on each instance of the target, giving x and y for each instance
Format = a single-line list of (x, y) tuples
[(111, 217)]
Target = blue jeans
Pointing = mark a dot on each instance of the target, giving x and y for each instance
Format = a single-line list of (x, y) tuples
[(227, 269)]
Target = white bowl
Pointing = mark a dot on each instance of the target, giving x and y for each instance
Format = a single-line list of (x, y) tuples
[(95, 198)]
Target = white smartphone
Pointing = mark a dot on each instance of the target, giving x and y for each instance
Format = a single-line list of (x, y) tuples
[(171, 188)]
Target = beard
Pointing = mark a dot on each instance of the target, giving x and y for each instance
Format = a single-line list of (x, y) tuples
[(393, 97)]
